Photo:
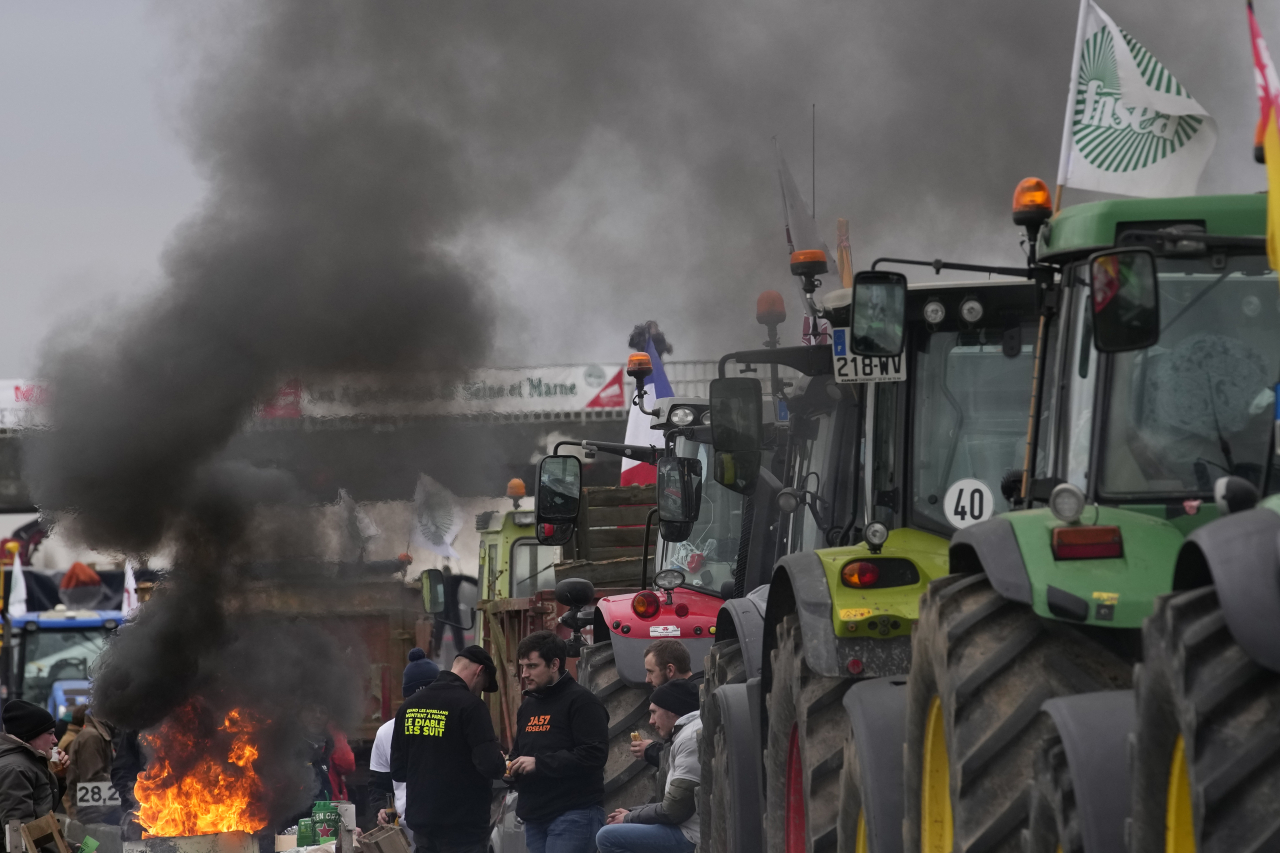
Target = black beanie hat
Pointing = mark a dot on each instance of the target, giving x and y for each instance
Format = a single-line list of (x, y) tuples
[(678, 696), (26, 720), (419, 673)]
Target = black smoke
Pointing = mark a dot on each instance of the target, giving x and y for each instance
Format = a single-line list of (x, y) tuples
[(320, 247)]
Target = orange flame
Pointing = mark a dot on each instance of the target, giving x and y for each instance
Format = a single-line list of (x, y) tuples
[(200, 782)]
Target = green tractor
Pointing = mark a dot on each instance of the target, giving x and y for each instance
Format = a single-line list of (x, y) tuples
[(1159, 348), (943, 376)]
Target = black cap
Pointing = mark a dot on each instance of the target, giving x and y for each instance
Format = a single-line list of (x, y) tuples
[(26, 720), (678, 696), (480, 656)]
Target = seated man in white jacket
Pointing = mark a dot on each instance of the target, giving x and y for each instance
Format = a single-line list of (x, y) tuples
[(670, 826)]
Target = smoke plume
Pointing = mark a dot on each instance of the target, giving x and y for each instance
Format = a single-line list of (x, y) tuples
[(319, 248)]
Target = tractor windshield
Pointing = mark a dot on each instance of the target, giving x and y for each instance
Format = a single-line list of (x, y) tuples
[(48, 656), (710, 554), (1200, 403), (970, 423)]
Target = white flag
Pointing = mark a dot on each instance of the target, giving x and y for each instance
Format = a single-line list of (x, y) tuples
[(1130, 127), (129, 603), (438, 517), (17, 589)]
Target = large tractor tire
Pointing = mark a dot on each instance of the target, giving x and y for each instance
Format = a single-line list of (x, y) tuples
[(1080, 788), (851, 821), (628, 781), (724, 665), (1206, 753), (805, 749), (982, 665)]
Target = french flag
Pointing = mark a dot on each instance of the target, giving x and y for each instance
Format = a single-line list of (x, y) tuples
[(656, 387)]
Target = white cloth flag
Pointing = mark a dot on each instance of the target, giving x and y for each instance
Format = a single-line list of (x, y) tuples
[(17, 589), (1130, 127), (129, 602)]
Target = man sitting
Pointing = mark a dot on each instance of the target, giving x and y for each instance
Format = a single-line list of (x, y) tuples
[(663, 661), (671, 825)]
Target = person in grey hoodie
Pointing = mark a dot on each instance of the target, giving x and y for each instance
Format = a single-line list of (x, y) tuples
[(28, 789), (672, 825)]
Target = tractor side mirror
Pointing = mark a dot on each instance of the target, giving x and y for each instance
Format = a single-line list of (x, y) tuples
[(879, 313), (559, 492), (576, 594), (679, 489), (736, 404), (1126, 310), (433, 590)]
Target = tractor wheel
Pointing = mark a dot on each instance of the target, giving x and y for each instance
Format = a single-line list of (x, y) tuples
[(724, 665), (1053, 823), (851, 823), (805, 751), (981, 667), (628, 781), (1205, 758)]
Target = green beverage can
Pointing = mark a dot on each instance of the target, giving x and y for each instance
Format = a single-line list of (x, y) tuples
[(306, 833), (325, 821)]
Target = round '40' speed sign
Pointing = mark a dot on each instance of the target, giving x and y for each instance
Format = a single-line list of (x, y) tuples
[(967, 502)]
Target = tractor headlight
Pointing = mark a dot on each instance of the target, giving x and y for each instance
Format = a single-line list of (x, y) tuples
[(971, 310), (1066, 502), (706, 418), (682, 416), (934, 312), (876, 534)]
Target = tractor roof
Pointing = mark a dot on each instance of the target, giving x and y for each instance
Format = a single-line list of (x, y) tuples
[(1086, 228)]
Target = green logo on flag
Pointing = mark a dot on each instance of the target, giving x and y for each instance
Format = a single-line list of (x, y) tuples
[(1111, 135)]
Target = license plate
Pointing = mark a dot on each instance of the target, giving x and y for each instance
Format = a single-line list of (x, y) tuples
[(850, 367), (96, 794), (664, 631)]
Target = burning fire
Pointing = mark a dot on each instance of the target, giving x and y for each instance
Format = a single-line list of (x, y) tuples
[(201, 780)]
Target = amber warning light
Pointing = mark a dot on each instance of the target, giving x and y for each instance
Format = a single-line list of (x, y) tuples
[(1032, 204), (515, 488), (639, 365), (770, 310), (808, 263)]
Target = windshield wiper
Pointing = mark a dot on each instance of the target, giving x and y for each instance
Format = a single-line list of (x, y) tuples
[(1192, 302)]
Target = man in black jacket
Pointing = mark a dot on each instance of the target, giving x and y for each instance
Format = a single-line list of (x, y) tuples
[(562, 741), (444, 748)]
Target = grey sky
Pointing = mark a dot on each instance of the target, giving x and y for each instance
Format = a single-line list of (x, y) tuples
[(94, 175)]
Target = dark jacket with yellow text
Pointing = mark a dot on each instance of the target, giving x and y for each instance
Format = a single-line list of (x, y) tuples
[(444, 747)]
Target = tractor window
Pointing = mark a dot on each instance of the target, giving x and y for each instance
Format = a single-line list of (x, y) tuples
[(812, 472), (1200, 403), (710, 554), (48, 657), (1081, 380), (970, 421), (531, 567)]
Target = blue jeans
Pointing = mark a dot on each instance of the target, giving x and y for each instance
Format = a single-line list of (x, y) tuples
[(572, 832), (642, 838)]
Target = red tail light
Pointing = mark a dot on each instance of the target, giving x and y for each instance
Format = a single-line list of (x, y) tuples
[(1087, 543), (859, 574), (645, 604)]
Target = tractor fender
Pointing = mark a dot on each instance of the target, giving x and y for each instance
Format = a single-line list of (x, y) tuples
[(991, 546), (800, 585), (739, 706), (1095, 729), (1242, 557), (877, 712), (743, 619)]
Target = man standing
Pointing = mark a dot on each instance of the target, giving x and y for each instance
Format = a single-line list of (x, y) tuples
[(444, 747), (562, 741), (663, 661), (671, 825), (91, 755), (28, 789), (420, 672)]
